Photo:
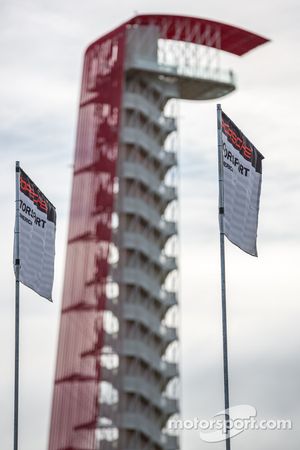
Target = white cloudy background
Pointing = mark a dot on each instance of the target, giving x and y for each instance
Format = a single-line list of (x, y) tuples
[(41, 48)]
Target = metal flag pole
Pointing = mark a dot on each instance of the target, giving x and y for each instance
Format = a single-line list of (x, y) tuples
[(17, 308), (223, 278)]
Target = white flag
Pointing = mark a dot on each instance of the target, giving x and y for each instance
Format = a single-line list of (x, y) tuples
[(37, 226), (242, 185)]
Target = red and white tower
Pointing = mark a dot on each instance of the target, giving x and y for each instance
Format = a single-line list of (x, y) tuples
[(117, 369)]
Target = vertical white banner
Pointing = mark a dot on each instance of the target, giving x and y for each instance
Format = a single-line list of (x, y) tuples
[(242, 185), (37, 226)]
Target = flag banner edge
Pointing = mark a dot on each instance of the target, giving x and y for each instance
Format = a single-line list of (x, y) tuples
[(243, 249), (32, 289)]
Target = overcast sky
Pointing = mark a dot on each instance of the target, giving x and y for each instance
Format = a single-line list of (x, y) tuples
[(42, 45)]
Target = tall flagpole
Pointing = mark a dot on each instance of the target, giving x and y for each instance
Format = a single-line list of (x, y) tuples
[(223, 278), (17, 310)]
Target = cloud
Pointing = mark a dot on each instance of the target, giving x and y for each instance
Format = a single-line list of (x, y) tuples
[(42, 47)]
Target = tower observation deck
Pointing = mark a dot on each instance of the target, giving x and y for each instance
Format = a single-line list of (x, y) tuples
[(116, 382)]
